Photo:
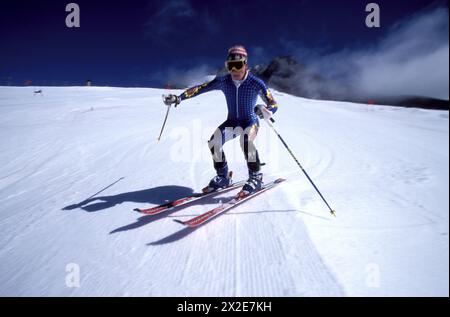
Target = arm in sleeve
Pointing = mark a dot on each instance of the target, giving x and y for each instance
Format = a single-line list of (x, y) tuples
[(268, 99), (200, 89)]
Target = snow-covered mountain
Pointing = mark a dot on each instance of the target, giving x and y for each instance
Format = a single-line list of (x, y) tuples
[(286, 74), (76, 161)]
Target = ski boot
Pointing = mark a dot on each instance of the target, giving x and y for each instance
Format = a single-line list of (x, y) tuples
[(221, 180), (254, 183)]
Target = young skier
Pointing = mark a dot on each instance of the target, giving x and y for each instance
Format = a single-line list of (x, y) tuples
[(241, 89)]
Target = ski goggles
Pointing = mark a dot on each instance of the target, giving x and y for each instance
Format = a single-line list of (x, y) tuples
[(235, 65)]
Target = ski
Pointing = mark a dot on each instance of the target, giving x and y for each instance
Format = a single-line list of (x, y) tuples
[(233, 202), (184, 200)]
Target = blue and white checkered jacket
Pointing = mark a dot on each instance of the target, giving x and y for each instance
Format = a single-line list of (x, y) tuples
[(241, 100)]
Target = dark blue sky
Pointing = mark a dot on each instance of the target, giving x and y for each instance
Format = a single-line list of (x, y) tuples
[(138, 43)]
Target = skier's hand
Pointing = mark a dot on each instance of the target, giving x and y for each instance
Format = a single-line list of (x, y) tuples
[(263, 112), (171, 99)]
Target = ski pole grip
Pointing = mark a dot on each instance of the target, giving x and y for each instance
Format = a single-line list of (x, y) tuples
[(271, 120)]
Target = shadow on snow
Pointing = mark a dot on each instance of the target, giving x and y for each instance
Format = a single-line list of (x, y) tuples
[(157, 195), (146, 219), (186, 231)]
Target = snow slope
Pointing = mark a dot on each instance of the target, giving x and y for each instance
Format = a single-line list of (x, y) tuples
[(75, 161)]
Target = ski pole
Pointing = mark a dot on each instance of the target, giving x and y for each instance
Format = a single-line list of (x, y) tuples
[(333, 212), (164, 123)]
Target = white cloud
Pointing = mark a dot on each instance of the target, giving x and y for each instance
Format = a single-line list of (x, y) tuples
[(186, 78), (413, 59)]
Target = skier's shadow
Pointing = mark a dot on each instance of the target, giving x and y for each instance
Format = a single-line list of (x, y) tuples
[(157, 196), (187, 230), (146, 219), (174, 237)]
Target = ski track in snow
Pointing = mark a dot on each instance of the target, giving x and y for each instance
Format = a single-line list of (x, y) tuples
[(384, 169)]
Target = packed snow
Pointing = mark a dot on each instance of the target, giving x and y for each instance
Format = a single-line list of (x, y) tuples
[(76, 161)]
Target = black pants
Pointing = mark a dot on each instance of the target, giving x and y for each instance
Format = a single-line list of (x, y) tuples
[(229, 130)]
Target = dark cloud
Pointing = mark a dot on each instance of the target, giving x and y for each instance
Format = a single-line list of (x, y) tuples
[(178, 18)]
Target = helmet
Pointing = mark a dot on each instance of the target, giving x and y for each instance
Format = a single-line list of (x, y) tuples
[(237, 53)]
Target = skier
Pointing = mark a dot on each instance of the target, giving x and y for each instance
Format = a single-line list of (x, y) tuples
[(241, 89)]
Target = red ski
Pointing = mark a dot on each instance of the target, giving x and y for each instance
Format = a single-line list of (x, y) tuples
[(182, 201), (233, 202)]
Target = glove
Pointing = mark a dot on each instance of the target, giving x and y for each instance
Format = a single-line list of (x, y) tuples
[(171, 99), (262, 112)]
